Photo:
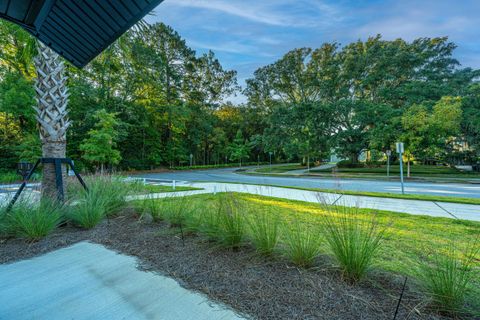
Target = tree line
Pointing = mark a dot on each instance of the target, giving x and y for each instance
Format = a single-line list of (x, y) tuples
[(150, 101), (368, 95)]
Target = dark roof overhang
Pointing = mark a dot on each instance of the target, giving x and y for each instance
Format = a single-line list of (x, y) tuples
[(78, 30)]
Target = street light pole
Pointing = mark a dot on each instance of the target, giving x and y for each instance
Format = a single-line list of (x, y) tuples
[(400, 150)]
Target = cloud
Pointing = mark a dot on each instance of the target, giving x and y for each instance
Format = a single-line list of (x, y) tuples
[(269, 12), (247, 34)]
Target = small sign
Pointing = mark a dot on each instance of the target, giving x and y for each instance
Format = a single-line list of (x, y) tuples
[(389, 153), (400, 147)]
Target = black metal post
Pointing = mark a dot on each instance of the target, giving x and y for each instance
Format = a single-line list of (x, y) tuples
[(58, 177), (400, 299), (22, 186)]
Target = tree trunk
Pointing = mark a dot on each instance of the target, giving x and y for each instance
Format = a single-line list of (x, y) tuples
[(408, 166), (51, 114)]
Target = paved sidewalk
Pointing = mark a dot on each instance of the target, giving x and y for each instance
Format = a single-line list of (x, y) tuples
[(88, 281), (415, 207), (303, 171)]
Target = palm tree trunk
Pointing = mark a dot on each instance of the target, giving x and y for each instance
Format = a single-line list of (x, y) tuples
[(51, 109)]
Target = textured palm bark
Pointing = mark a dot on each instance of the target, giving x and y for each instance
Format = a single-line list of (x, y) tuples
[(51, 109)]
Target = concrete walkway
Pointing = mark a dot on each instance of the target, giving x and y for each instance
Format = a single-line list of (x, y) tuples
[(88, 281), (304, 171), (415, 207)]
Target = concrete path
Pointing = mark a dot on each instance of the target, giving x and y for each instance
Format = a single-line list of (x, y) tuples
[(304, 171), (415, 207), (88, 281)]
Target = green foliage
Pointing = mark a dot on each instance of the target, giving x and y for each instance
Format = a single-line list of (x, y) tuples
[(302, 243), (225, 222), (89, 208), (151, 206), (177, 213), (112, 189), (427, 132), (100, 146), (239, 148), (30, 148), (264, 232), (353, 241), (447, 277), (32, 221)]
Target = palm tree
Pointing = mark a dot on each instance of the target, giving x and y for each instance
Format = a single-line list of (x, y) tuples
[(51, 109)]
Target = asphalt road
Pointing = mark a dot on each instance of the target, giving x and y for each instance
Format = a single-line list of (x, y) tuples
[(228, 175)]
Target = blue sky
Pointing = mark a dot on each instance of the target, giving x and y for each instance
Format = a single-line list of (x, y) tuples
[(247, 34)]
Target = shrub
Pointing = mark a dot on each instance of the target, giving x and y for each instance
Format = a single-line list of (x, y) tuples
[(231, 220), (32, 221), (153, 207), (112, 189), (176, 211), (352, 239), (448, 277), (224, 223), (350, 164), (264, 232), (302, 243), (89, 208)]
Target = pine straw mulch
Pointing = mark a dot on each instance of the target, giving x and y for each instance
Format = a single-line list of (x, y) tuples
[(256, 287)]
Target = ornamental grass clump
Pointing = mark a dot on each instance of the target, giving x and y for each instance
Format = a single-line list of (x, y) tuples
[(151, 207), (178, 211), (225, 222), (112, 189), (263, 232), (301, 243), (448, 278), (352, 238), (89, 208), (32, 221)]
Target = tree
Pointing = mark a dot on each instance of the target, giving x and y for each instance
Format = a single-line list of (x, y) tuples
[(239, 148), (100, 146), (428, 132), (51, 113)]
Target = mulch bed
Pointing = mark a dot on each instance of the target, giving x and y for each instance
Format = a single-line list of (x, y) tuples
[(256, 287)]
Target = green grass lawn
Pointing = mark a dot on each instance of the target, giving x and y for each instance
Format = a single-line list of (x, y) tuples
[(9, 177), (423, 197), (409, 237), (280, 169), (159, 189)]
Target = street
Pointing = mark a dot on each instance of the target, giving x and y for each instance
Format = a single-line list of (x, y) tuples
[(229, 175)]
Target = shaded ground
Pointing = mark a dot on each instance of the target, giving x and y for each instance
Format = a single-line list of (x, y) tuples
[(262, 288)]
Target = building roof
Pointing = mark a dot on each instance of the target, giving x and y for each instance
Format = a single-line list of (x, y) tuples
[(78, 30)]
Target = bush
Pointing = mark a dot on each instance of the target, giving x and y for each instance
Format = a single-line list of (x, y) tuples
[(448, 278), (352, 239), (151, 206), (176, 211), (302, 243), (350, 164), (89, 208), (264, 232), (225, 223), (32, 221), (112, 189)]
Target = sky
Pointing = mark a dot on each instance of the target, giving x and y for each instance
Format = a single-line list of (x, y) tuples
[(248, 34)]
